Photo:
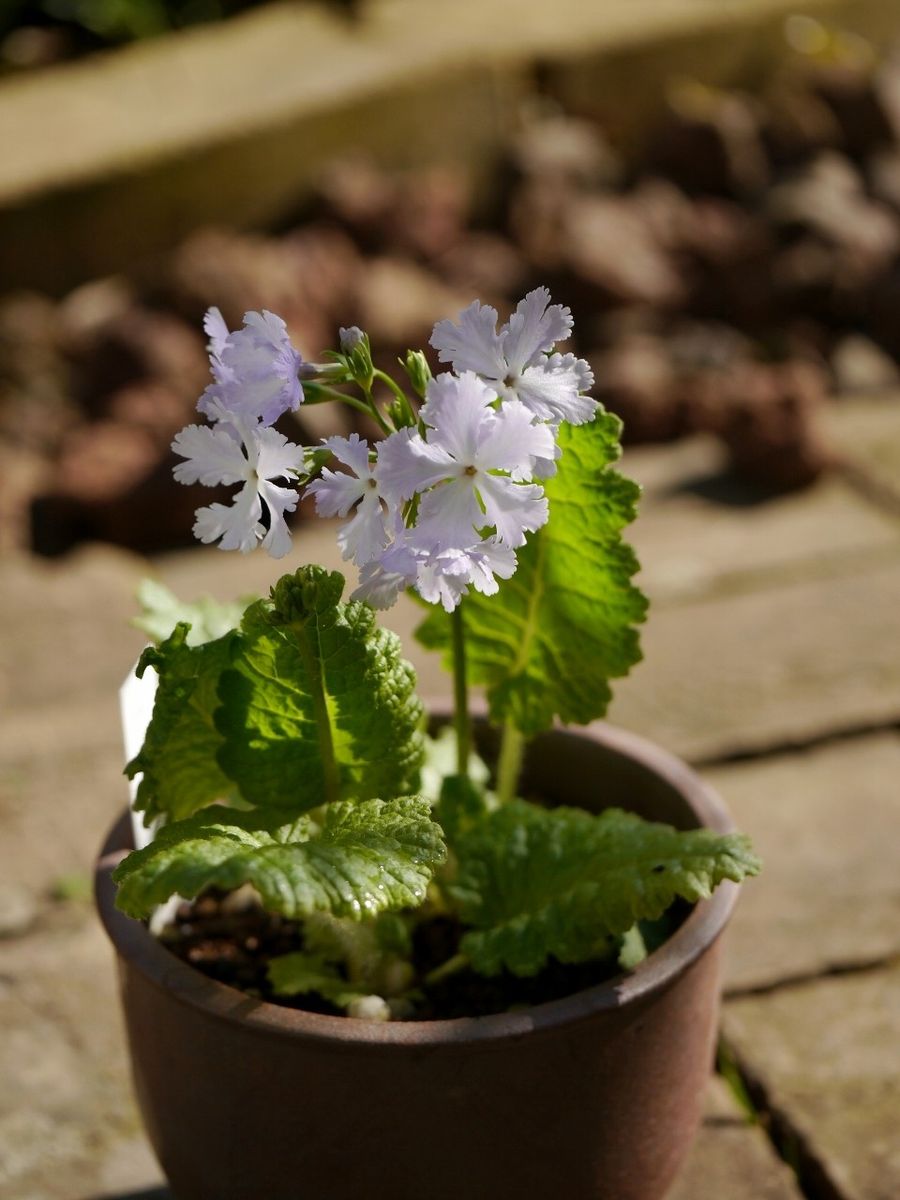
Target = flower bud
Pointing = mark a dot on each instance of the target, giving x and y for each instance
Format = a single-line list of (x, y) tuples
[(351, 338), (418, 370), (357, 355)]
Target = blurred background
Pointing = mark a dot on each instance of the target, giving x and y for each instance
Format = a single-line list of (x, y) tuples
[(713, 186)]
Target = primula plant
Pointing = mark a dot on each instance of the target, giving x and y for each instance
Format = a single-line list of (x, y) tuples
[(288, 752)]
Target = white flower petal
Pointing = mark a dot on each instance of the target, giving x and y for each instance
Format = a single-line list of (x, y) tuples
[(259, 369), (353, 452), (278, 501), (459, 411), (444, 577), (490, 560), (545, 468), (407, 464), (514, 509), (382, 581), (336, 492), (364, 538), (534, 329), (275, 456), (514, 443), (449, 516), (438, 586), (237, 524), (552, 390), (217, 331), (212, 456), (473, 344)]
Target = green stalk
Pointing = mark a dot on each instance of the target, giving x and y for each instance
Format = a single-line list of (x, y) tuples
[(398, 393), (320, 393), (452, 966), (460, 694), (375, 411), (509, 764)]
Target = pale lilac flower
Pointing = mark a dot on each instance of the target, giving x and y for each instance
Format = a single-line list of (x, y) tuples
[(255, 369), (241, 452), (336, 493), (516, 360), (445, 577), (439, 576), (471, 468), (383, 579)]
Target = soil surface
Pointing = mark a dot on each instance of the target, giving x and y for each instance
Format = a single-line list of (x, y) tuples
[(234, 945)]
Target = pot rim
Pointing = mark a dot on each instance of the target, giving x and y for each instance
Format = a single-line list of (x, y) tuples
[(135, 944)]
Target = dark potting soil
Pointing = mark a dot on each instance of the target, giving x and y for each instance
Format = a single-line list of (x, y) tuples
[(234, 943)]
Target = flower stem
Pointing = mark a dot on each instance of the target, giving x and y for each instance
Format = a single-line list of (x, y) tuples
[(460, 694), (509, 764), (452, 966), (375, 411), (398, 393), (320, 393)]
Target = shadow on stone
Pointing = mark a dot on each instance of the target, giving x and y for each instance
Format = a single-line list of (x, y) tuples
[(161, 1193), (728, 489)]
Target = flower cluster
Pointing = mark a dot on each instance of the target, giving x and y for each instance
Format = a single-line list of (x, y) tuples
[(255, 380), (443, 502)]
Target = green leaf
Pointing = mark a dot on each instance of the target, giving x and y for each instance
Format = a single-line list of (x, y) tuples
[(301, 973), (535, 882), (178, 758), (161, 611), (546, 646), (364, 858), (360, 946), (317, 702), (344, 960)]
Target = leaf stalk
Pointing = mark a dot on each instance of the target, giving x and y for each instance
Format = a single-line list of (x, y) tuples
[(509, 763), (461, 722)]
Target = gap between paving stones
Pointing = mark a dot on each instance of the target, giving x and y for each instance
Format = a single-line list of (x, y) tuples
[(790, 1143), (811, 1178), (787, 1142), (773, 749), (832, 971)]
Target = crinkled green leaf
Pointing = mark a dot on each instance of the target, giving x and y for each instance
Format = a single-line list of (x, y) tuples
[(161, 611), (178, 759), (302, 973), (546, 646), (535, 882), (314, 681), (364, 858)]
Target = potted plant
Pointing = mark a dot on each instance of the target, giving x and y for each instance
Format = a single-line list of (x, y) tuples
[(456, 979)]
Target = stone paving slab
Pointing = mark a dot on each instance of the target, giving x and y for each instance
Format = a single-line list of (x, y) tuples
[(825, 822), (732, 1159), (66, 625), (770, 668), (66, 645), (865, 431), (69, 1127), (700, 533), (826, 1055)]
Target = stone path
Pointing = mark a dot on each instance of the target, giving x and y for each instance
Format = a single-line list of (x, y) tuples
[(770, 660)]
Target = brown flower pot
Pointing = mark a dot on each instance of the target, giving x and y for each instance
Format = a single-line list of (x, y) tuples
[(592, 1097)]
